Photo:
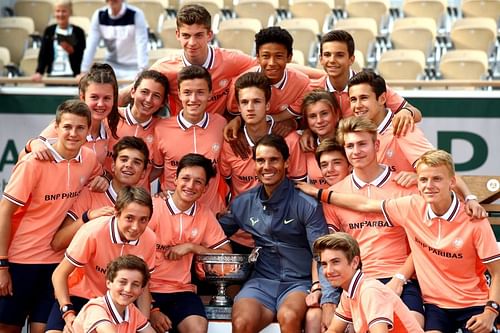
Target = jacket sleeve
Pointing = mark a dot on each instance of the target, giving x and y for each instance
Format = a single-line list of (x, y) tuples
[(44, 58), (78, 48)]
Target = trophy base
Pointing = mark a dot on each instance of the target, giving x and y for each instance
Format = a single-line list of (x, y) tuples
[(218, 312)]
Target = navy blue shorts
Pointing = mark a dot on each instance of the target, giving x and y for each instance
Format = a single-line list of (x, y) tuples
[(55, 321), (271, 293), (449, 320), (33, 294), (411, 295), (179, 306)]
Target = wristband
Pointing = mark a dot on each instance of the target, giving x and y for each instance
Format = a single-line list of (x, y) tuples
[(492, 306), (27, 148), (324, 196), (85, 216), (66, 308), (4, 263), (411, 112), (314, 283), (320, 193), (67, 313), (315, 290), (329, 196)]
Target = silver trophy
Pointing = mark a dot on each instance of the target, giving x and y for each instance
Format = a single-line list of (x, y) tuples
[(223, 269)]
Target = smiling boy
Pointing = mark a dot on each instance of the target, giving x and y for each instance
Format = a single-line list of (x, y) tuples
[(366, 303), (126, 278), (80, 275), (34, 204)]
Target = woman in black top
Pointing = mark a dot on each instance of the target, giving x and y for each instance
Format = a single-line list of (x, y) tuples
[(62, 47)]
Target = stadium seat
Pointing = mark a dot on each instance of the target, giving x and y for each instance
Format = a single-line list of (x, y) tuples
[(29, 61), (263, 10), (298, 57), (100, 54), (363, 30), (81, 21), (15, 34), (464, 65), (238, 33), (39, 10), (305, 33), (163, 53), (434, 9), (320, 10), (414, 33), (475, 33), (167, 34), (481, 8), (376, 9), (4, 59), (154, 10), (359, 61), (402, 64), (86, 7)]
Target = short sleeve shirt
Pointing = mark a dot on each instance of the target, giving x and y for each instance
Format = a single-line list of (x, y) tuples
[(97, 243), (44, 192), (442, 247), (102, 310), (172, 226), (369, 302)]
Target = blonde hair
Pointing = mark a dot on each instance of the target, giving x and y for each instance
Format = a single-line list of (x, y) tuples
[(435, 158), (356, 124), (66, 3)]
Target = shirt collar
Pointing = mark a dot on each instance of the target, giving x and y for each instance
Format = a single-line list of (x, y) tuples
[(115, 234), (269, 119), (101, 136), (331, 88), (355, 282), (185, 124), (191, 211), (281, 84), (129, 118), (381, 179), (120, 13), (57, 157), (115, 314), (209, 62), (111, 193), (450, 214), (386, 122)]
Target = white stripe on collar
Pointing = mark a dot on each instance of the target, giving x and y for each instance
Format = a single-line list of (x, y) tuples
[(130, 119), (209, 62), (185, 124), (269, 119), (191, 211), (355, 282), (115, 314), (57, 157), (381, 179), (450, 214)]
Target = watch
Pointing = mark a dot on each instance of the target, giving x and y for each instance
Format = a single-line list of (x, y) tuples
[(470, 197), (67, 307), (494, 305), (401, 277)]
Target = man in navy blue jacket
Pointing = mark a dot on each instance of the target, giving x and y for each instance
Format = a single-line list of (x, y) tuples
[(284, 224)]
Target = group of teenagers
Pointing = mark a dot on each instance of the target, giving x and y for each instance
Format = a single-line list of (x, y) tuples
[(358, 224)]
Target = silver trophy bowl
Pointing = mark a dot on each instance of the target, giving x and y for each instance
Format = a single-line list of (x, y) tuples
[(222, 269)]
